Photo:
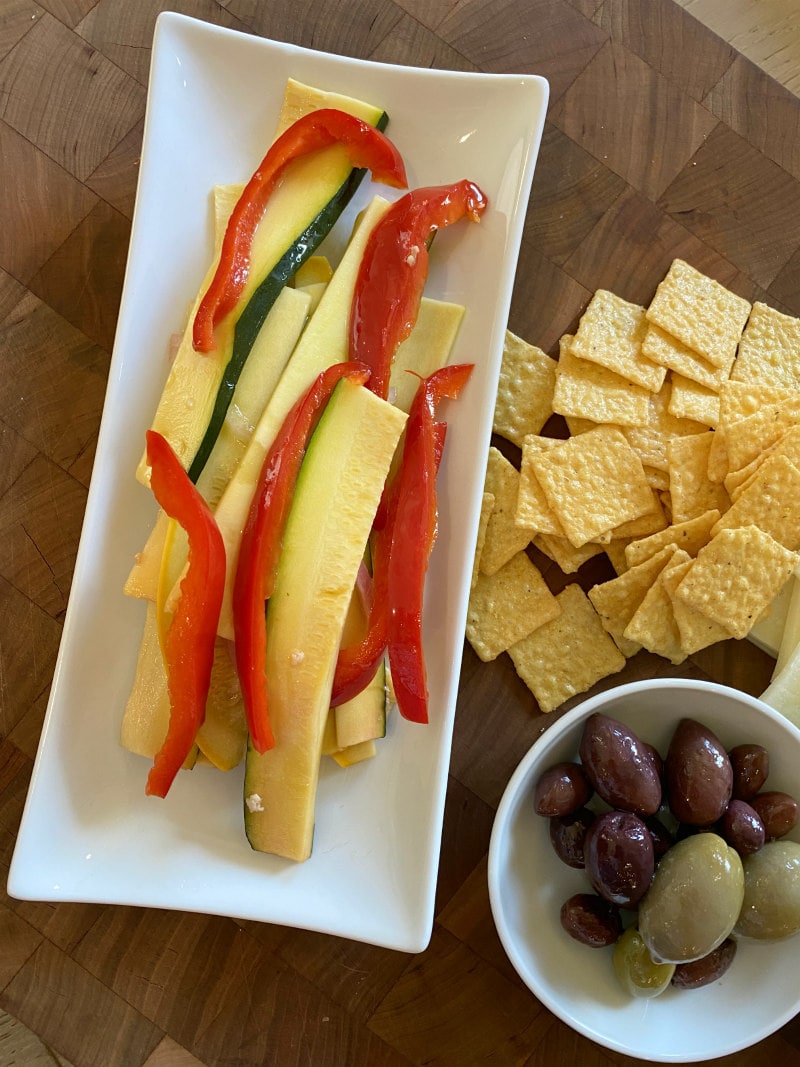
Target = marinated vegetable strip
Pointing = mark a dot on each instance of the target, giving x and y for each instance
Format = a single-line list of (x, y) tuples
[(189, 641), (262, 540), (366, 147)]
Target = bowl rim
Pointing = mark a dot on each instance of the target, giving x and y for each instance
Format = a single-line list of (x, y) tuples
[(512, 799)]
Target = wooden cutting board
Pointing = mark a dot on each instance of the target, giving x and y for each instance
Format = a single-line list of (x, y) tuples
[(661, 141)]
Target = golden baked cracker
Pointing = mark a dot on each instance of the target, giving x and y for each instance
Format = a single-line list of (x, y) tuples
[(617, 599), (650, 441), (568, 655), (788, 445), (661, 347), (691, 491), (610, 334), (718, 456), (649, 523), (487, 505), (568, 558), (503, 538), (771, 501), (506, 606), (525, 389), (593, 483), (769, 350), (533, 509), (653, 625), (586, 390), (700, 312), (757, 432), (656, 479), (690, 400), (689, 536), (696, 631), (737, 399), (576, 426), (735, 577)]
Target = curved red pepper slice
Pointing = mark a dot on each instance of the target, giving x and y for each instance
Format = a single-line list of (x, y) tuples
[(366, 147), (261, 544), (401, 549), (415, 524), (189, 642), (394, 268)]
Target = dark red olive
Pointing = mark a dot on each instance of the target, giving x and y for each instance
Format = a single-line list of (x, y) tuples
[(778, 812), (562, 789), (707, 969), (567, 836), (742, 828), (750, 765), (698, 773), (662, 838), (619, 857), (591, 920), (619, 766)]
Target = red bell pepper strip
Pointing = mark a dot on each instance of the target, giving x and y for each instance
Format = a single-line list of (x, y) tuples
[(261, 544), (189, 641), (415, 524), (394, 269), (366, 147), (402, 544)]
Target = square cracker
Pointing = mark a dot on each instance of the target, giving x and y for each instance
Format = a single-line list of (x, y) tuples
[(503, 538), (560, 551), (691, 490), (487, 505), (771, 501), (506, 606), (616, 600), (586, 390), (689, 400), (769, 350), (610, 333), (653, 625), (757, 432), (650, 441), (533, 509), (736, 577), (567, 655), (525, 389), (690, 536), (700, 312), (663, 348), (593, 483), (696, 631)]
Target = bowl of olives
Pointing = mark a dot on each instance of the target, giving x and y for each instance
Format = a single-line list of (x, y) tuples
[(644, 869)]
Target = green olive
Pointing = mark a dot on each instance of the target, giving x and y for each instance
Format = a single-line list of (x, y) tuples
[(771, 908), (694, 900), (635, 969)]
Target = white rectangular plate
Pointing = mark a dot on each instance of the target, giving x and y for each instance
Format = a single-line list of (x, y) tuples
[(88, 832)]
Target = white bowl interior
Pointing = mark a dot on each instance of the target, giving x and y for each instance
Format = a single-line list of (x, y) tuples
[(528, 884)]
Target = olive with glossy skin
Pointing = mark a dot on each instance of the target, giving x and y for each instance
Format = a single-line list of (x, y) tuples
[(694, 900), (742, 828), (568, 834), (636, 971), (707, 969), (777, 811), (619, 856), (750, 765), (591, 920), (562, 789), (771, 907), (699, 774), (619, 766)]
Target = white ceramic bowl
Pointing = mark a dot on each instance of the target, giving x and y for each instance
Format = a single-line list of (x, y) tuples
[(528, 884)]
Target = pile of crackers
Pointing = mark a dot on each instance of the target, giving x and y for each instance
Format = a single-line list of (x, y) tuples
[(681, 464)]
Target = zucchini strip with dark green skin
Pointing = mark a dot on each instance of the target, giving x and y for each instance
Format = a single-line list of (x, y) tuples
[(262, 300)]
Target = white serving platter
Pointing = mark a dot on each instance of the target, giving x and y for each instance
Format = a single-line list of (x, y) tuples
[(88, 832)]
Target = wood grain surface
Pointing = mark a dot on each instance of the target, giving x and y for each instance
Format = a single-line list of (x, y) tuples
[(661, 141)]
